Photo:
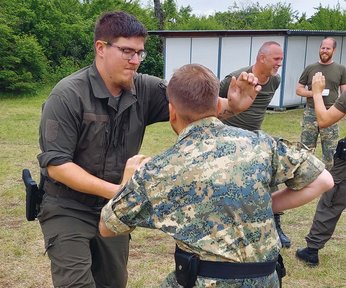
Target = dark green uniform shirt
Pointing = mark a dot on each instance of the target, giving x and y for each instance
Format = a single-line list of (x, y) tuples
[(83, 123), (335, 75)]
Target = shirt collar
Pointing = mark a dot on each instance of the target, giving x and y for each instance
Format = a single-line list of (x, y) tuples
[(199, 126), (99, 87)]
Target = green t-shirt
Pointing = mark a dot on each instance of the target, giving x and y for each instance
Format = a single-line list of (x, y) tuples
[(340, 103), (335, 75), (252, 118)]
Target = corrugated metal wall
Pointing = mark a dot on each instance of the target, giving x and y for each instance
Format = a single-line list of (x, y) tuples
[(225, 53)]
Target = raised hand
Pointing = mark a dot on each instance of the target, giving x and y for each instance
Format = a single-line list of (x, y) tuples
[(242, 92), (318, 83)]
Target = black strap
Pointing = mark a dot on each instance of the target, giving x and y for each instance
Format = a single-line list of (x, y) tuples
[(231, 270), (280, 269)]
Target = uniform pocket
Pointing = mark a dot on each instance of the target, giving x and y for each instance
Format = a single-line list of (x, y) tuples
[(52, 129), (329, 196), (50, 242)]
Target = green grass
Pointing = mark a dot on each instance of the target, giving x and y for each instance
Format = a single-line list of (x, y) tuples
[(23, 263)]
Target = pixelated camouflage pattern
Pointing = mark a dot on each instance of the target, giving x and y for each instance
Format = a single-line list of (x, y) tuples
[(329, 136), (211, 192), (270, 281)]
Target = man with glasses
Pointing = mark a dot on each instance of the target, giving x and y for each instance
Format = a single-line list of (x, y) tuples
[(92, 122)]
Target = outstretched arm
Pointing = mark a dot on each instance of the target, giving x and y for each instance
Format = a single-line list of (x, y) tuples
[(80, 180), (241, 94), (325, 117), (302, 91), (288, 199)]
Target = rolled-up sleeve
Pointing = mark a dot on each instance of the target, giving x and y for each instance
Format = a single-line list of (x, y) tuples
[(111, 220), (58, 131), (130, 208), (296, 166), (306, 173)]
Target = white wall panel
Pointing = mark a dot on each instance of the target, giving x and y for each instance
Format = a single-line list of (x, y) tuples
[(295, 59), (177, 54), (205, 51), (342, 48), (235, 54)]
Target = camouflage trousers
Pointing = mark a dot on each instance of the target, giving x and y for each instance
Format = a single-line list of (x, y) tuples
[(271, 281), (329, 136)]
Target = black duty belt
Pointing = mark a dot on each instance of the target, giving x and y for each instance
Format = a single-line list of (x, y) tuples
[(59, 190), (231, 270)]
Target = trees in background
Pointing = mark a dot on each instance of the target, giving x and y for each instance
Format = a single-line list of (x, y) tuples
[(45, 40), (23, 61)]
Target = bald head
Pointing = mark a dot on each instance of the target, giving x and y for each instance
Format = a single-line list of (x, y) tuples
[(269, 60), (267, 48), (329, 40)]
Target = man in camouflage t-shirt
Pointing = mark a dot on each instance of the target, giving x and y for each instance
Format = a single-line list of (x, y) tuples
[(211, 190)]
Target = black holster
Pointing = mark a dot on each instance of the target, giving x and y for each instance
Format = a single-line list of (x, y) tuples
[(186, 268), (341, 149), (34, 195)]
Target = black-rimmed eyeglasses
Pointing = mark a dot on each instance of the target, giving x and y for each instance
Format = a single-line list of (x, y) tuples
[(128, 53)]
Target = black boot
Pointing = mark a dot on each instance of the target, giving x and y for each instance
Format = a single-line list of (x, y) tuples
[(285, 241), (308, 255)]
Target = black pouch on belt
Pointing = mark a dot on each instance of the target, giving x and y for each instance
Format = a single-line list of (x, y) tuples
[(341, 149), (186, 268)]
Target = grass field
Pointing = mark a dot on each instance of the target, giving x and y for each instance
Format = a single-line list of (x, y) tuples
[(23, 263)]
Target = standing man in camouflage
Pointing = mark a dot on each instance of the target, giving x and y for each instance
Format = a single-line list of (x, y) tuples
[(332, 203), (335, 79), (268, 61), (211, 191)]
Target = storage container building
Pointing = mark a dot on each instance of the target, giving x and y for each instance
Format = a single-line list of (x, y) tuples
[(229, 50)]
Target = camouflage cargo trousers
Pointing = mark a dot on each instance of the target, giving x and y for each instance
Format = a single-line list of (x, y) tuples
[(329, 136), (271, 281)]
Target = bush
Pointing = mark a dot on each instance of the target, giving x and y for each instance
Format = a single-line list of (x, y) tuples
[(23, 65), (67, 66)]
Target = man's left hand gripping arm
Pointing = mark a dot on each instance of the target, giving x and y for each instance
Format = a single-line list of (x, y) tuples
[(132, 165)]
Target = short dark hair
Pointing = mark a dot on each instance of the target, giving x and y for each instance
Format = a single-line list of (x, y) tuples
[(194, 90), (112, 25)]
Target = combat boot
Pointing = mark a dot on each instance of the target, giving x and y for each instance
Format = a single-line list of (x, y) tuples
[(285, 241), (308, 255)]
